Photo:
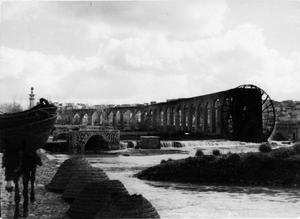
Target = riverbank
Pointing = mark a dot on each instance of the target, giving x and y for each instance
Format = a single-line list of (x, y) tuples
[(281, 167), (47, 205), (140, 152)]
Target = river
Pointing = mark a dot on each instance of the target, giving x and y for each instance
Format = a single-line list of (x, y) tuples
[(184, 200)]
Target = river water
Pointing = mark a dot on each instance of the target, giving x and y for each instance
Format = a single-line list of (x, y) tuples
[(184, 200)]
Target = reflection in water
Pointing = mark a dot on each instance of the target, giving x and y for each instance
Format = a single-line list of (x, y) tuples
[(184, 200)]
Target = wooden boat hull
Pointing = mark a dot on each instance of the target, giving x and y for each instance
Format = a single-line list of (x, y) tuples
[(35, 114), (29, 128)]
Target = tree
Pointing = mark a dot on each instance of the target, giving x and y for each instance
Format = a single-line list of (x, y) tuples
[(10, 107)]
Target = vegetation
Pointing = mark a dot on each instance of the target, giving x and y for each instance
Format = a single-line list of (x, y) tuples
[(163, 161), (233, 158), (265, 148), (199, 153), (130, 144), (279, 167), (296, 148), (10, 107), (138, 145), (216, 152)]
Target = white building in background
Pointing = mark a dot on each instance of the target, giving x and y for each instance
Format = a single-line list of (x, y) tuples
[(31, 98)]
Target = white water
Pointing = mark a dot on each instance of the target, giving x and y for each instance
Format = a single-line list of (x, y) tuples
[(183, 200)]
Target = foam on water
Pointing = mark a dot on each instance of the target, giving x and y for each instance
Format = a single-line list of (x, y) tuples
[(184, 200)]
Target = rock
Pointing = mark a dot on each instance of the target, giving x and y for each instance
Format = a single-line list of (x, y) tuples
[(65, 172), (128, 206), (177, 144), (80, 180), (95, 197), (130, 144)]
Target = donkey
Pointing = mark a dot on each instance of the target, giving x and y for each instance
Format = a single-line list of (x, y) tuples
[(20, 163)]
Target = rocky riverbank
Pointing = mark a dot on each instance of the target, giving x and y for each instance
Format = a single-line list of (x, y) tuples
[(47, 204), (280, 167)]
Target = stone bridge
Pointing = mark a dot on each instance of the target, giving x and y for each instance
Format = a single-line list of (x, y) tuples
[(84, 139), (243, 113)]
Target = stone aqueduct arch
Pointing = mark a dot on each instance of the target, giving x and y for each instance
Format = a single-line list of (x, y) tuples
[(193, 115), (219, 114)]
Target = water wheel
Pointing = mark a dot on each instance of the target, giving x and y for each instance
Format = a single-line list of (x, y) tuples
[(227, 117), (266, 112)]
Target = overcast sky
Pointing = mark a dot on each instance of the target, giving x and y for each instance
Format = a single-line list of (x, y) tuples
[(136, 52)]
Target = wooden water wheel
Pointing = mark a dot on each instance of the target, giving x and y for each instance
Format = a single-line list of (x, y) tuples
[(227, 117), (266, 112)]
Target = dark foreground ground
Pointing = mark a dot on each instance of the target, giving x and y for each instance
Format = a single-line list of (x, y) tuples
[(47, 204)]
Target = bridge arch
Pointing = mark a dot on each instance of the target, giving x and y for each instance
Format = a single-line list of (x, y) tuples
[(95, 118), (76, 119), (111, 118), (192, 118), (85, 119), (94, 144), (153, 115), (146, 120), (102, 118), (118, 118), (178, 118), (59, 120), (185, 117), (200, 117), (138, 116), (169, 110), (161, 117), (208, 117), (216, 116), (127, 119), (137, 119)]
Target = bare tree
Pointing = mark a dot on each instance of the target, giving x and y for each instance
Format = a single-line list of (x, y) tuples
[(10, 107)]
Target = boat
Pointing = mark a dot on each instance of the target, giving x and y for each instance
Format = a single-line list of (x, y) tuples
[(30, 127)]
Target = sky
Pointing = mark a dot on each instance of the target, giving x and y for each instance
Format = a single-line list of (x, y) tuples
[(101, 52)]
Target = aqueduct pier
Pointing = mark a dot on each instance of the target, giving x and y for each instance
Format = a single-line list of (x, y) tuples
[(244, 113)]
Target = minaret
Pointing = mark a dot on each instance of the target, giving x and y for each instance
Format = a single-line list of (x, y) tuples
[(31, 98)]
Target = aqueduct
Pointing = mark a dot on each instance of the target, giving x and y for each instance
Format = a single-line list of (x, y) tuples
[(243, 113)]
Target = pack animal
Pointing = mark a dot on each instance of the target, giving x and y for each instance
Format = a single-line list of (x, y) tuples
[(19, 163)]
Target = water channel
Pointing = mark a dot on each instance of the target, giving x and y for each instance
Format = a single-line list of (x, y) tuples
[(184, 200)]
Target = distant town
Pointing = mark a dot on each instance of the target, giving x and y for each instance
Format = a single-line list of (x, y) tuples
[(287, 120), (287, 115)]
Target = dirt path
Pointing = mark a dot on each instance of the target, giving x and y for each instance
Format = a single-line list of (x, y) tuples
[(47, 204)]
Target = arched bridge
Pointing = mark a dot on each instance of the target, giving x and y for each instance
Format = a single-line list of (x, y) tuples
[(85, 139), (243, 113)]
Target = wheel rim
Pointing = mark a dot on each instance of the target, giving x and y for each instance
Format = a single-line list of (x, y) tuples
[(267, 111)]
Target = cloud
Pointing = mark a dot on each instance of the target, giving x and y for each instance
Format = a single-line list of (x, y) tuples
[(178, 19), (223, 61), (127, 52), (153, 67)]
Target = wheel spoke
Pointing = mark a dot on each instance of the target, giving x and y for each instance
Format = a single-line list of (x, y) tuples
[(265, 100), (267, 107)]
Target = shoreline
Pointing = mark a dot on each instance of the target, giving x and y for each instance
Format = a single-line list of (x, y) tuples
[(51, 205)]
